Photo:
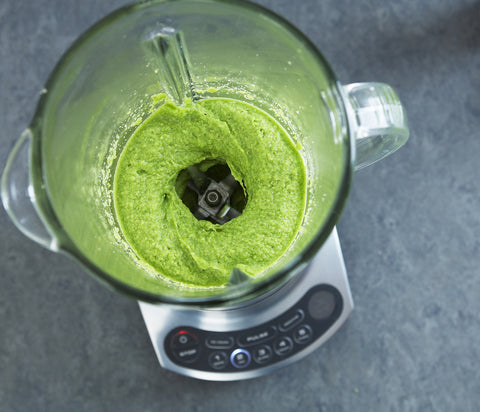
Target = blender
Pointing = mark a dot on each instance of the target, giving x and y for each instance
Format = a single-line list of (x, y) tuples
[(57, 186)]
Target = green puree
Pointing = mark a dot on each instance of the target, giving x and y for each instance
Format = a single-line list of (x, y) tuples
[(163, 231)]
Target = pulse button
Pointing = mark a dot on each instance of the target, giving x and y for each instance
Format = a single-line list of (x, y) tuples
[(257, 336), (240, 358)]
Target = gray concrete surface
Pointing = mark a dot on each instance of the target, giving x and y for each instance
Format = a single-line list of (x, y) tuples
[(410, 235)]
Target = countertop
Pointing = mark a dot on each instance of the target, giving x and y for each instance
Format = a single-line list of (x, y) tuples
[(410, 235)]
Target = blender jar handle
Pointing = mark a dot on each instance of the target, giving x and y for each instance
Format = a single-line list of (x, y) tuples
[(377, 119), (18, 196)]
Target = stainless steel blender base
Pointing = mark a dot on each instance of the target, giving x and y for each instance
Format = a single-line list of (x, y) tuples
[(258, 337)]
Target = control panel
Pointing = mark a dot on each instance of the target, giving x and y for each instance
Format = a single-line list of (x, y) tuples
[(259, 346)]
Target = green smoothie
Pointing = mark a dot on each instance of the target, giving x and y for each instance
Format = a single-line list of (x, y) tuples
[(162, 230)]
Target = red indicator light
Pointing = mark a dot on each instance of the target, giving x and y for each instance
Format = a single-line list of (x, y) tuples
[(186, 332)]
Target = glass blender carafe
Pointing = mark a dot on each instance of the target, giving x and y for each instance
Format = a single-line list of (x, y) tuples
[(57, 185)]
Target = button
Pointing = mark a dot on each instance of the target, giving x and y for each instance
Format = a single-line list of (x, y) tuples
[(283, 346), (219, 343), (183, 339), (262, 354), (218, 360), (187, 355), (303, 334), (240, 358), (258, 336), (290, 320), (321, 305)]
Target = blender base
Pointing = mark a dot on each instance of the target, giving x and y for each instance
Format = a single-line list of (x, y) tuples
[(260, 336)]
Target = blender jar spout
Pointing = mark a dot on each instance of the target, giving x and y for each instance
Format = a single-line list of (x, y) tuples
[(18, 195), (168, 54)]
